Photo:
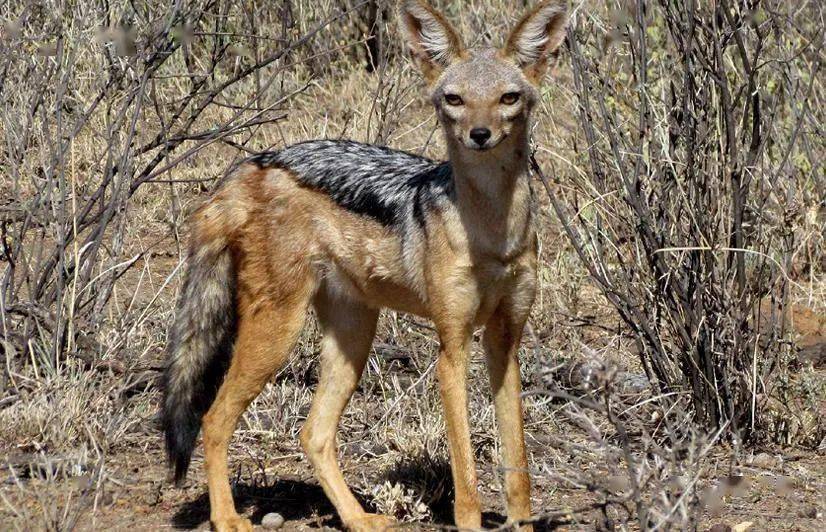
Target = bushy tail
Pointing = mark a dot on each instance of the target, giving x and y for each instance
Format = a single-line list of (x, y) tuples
[(200, 346)]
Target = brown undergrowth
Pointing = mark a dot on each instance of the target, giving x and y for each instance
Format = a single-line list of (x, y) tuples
[(117, 121)]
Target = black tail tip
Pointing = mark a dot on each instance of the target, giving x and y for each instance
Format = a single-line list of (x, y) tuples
[(179, 468), (181, 434)]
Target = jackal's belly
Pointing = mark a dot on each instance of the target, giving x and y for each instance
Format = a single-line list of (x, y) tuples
[(372, 291), (368, 265), (384, 281)]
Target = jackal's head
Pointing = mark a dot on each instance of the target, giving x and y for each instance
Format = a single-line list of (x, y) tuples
[(483, 95)]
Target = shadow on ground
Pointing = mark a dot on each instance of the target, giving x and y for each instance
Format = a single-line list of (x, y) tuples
[(297, 500), (294, 500)]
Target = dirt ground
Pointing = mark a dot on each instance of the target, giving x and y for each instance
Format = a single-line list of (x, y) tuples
[(784, 492), (772, 488), (780, 491)]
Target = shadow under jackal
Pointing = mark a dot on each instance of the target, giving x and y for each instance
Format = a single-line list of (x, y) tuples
[(351, 228)]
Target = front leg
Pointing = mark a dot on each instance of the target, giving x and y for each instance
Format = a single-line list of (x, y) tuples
[(501, 340), (452, 370)]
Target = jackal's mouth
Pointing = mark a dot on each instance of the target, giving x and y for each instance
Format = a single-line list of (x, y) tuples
[(490, 144)]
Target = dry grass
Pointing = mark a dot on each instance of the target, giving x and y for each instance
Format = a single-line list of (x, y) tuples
[(77, 423)]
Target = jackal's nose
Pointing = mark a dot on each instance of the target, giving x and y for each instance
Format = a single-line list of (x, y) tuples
[(480, 135)]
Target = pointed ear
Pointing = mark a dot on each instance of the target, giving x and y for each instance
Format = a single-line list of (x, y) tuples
[(537, 36), (432, 40)]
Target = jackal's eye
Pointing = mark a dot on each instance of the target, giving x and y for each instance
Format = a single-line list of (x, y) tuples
[(454, 99), (509, 98)]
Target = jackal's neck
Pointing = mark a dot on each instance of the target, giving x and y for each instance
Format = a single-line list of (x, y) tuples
[(493, 193)]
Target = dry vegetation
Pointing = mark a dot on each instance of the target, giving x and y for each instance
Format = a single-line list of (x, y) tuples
[(673, 362)]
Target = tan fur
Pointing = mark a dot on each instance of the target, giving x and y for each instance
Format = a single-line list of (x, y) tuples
[(292, 246)]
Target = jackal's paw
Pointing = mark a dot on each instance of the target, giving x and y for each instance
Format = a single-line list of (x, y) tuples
[(371, 523), (234, 524)]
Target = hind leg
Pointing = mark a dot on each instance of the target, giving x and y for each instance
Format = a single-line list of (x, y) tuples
[(266, 335), (348, 328)]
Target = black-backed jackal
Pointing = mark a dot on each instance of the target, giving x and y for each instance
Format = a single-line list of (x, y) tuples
[(350, 228)]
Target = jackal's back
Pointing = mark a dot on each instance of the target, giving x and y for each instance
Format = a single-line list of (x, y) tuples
[(391, 186)]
